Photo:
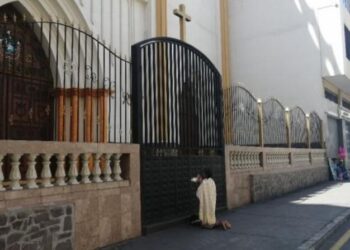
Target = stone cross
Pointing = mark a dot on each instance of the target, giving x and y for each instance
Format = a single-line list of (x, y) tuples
[(181, 13)]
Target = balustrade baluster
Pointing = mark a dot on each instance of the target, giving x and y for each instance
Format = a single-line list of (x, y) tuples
[(85, 171), (1, 174), (73, 169), (46, 171), (15, 174), (97, 170), (31, 174), (60, 173), (107, 169), (116, 167)]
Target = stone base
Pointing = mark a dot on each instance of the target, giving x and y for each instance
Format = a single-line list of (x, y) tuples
[(269, 185), (47, 227), (103, 213)]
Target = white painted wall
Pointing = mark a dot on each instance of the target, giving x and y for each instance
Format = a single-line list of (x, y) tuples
[(331, 39), (119, 23), (275, 51), (203, 32)]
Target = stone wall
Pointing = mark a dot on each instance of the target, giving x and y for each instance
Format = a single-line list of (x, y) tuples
[(269, 185), (256, 173), (40, 228), (102, 213)]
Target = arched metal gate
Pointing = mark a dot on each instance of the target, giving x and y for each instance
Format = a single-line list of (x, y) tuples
[(177, 119)]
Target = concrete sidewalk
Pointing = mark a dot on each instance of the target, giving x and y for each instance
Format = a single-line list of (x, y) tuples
[(283, 223)]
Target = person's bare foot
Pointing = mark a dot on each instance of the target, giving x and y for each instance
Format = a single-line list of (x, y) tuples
[(226, 225)]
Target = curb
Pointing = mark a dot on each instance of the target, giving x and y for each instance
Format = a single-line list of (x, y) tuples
[(319, 237)]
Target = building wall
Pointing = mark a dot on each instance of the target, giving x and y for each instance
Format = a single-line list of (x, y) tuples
[(120, 23), (203, 31), (255, 174), (102, 214), (331, 37), (43, 227), (275, 51)]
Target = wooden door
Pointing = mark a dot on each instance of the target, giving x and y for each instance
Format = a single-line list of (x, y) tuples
[(25, 81), (26, 109)]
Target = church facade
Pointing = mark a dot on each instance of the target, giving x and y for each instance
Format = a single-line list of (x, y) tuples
[(108, 108)]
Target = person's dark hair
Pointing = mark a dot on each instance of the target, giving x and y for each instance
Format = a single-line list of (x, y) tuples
[(207, 173)]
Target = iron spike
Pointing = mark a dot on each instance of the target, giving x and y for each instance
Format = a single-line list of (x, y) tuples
[(14, 18), (5, 18)]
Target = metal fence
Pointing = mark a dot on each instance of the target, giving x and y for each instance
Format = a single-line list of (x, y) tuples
[(251, 122), (274, 124), (88, 83), (177, 95), (315, 131), (245, 117), (298, 129)]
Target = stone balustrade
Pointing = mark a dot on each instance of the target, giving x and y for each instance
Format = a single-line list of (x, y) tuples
[(32, 165), (246, 158), (260, 173)]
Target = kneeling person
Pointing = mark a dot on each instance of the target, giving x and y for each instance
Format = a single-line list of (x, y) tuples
[(206, 194)]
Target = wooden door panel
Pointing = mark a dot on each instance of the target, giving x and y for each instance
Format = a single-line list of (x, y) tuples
[(29, 106)]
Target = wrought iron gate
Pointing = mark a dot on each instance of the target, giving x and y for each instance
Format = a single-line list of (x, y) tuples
[(60, 82), (177, 119)]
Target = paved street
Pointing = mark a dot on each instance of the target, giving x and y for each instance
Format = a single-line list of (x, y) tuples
[(339, 240), (283, 223)]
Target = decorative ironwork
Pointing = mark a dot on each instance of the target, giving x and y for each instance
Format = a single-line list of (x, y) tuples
[(80, 69), (69, 67), (179, 95), (11, 48), (177, 119), (315, 130), (245, 117), (298, 128), (25, 85), (274, 124)]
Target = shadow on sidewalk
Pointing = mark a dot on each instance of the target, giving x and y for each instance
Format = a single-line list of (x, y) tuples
[(282, 223)]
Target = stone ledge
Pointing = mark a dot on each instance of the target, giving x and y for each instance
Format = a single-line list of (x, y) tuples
[(43, 192)]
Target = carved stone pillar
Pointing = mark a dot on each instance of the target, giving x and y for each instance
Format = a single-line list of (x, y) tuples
[(73, 169), (85, 171), (60, 171), (116, 167), (97, 170), (107, 169), (46, 171), (15, 174), (31, 174)]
